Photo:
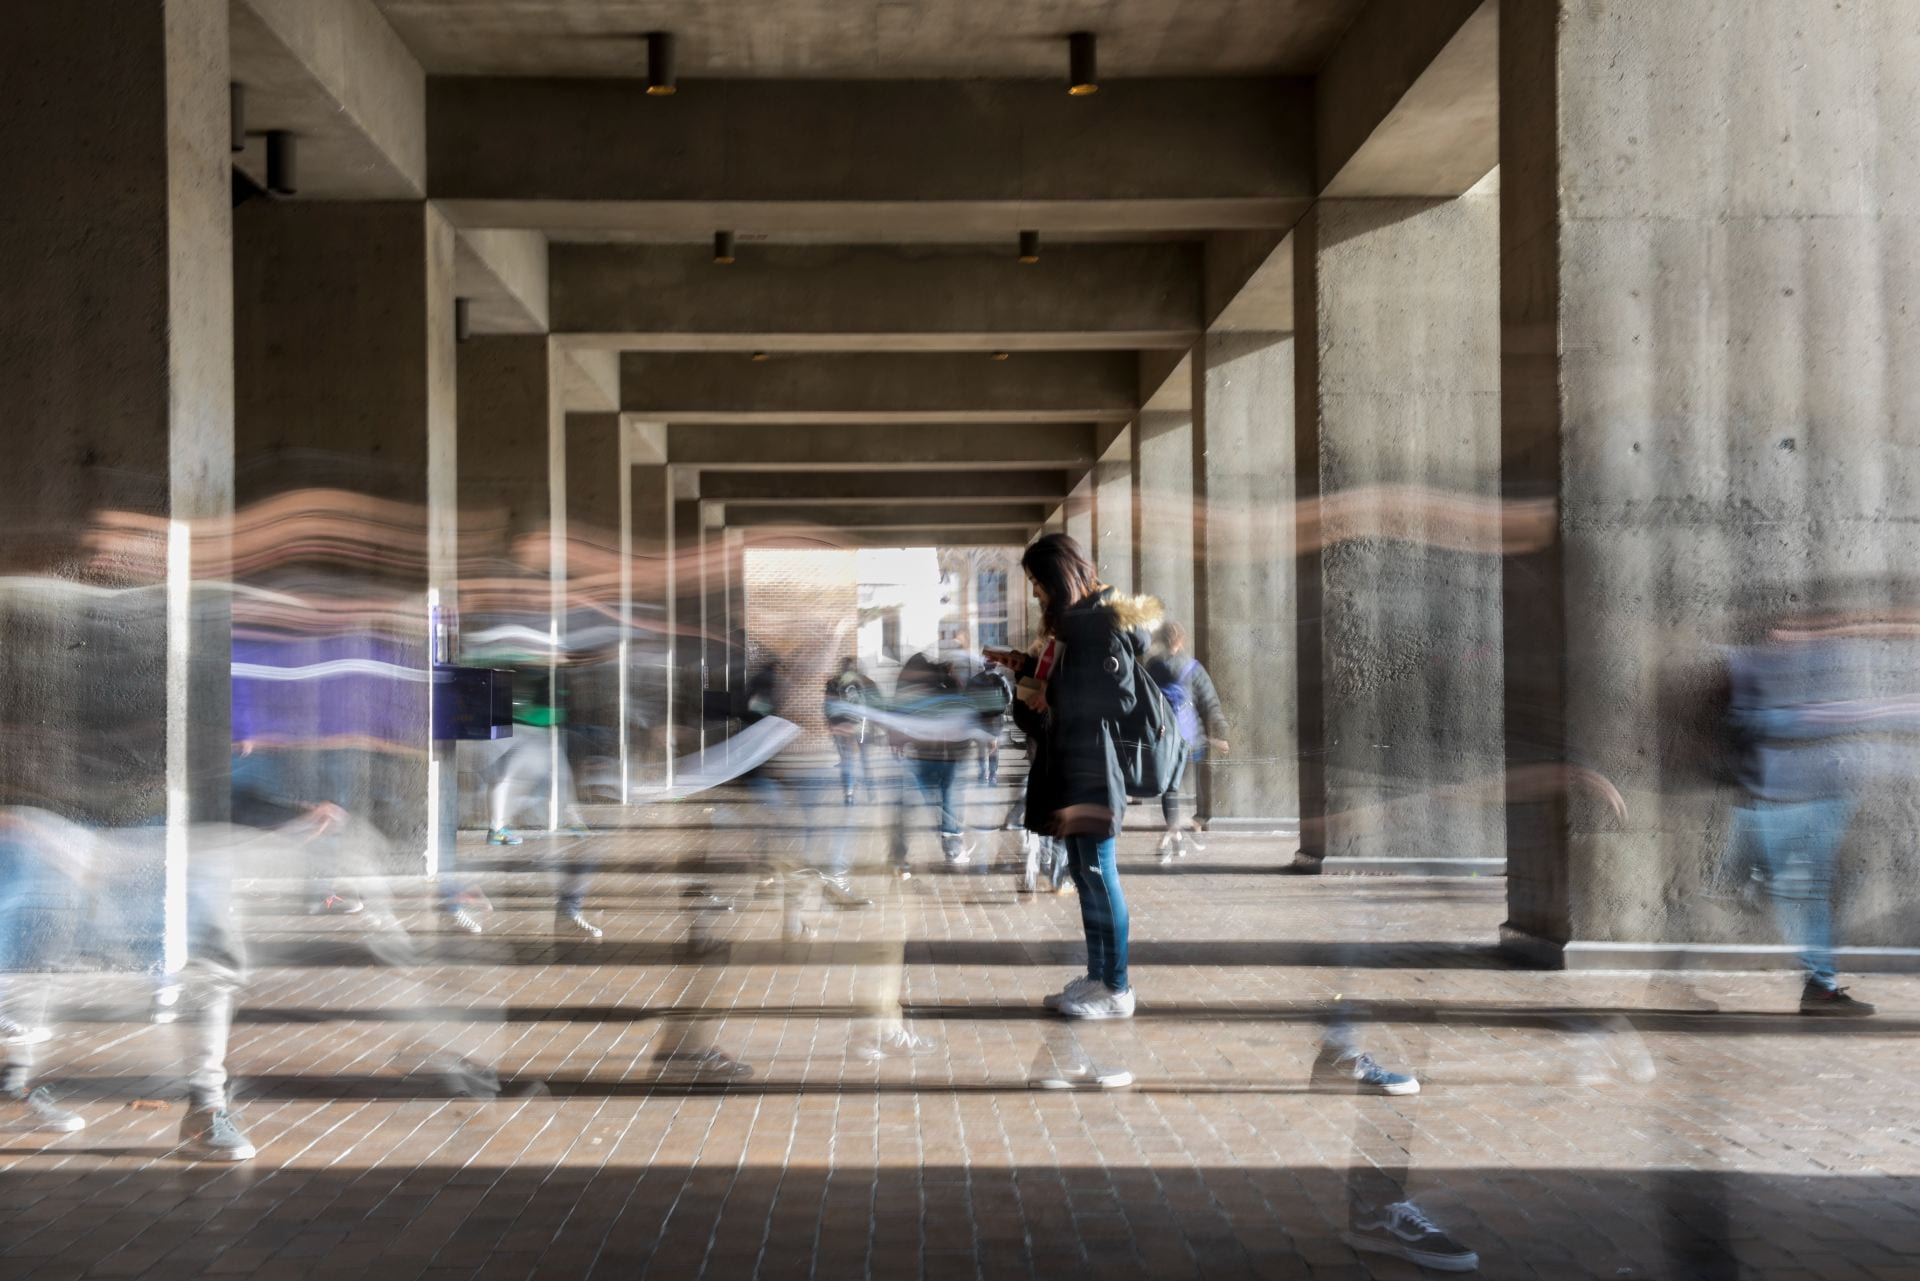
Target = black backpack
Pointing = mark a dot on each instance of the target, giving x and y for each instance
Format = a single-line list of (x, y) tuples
[(1147, 741)]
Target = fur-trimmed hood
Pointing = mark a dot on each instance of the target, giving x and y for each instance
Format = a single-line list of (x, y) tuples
[(1136, 613)]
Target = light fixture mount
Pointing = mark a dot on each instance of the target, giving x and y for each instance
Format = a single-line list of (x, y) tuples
[(662, 78), (1083, 73), (1029, 247), (723, 248)]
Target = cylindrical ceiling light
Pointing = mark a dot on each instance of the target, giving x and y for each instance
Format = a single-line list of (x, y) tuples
[(662, 79), (759, 357), (1083, 75), (1002, 355), (1029, 247), (723, 248), (237, 117), (283, 178), (462, 319)]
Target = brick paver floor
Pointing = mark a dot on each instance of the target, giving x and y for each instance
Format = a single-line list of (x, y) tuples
[(1570, 1126)]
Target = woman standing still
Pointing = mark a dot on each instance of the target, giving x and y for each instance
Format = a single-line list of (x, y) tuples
[(1076, 791)]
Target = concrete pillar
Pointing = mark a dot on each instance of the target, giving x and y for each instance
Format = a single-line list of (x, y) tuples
[(1077, 512), (714, 660), (1709, 283), (595, 573), (687, 651), (649, 652), (1243, 470), (1162, 465), (1113, 512), (1397, 428), (513, 484), (116, 385), (345, 380), (734, 548)]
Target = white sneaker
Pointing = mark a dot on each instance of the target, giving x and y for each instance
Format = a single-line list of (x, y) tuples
[(1073, 991), (12, 1033), (1099, 1002), (1084, 1076)]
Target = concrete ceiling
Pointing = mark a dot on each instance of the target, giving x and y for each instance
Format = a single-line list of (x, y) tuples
[(871, 39)]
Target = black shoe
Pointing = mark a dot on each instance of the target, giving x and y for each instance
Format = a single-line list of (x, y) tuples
[(1402, 1231), (1831, 1001), (1302, 867)]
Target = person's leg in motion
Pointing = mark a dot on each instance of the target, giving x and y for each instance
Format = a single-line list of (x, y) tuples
[(945, 793), (37, 907), (1170, 845), (215, 972), (1796, 843)]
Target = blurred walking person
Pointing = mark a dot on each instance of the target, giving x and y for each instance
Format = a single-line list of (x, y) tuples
[(1201, 719)]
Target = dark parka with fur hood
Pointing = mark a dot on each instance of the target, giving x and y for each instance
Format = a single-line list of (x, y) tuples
[(1075, 771)]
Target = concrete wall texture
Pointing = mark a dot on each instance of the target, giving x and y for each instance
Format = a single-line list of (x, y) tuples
[(1397, 370), (1709, 299)]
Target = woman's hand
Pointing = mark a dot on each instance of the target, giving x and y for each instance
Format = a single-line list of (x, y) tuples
[(1034, 695)]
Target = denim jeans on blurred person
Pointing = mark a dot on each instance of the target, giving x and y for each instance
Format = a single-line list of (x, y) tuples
[(938, 782), (1792, 846)]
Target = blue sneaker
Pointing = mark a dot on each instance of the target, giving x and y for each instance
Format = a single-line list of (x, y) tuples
[(503, 836), (1346, 1068)]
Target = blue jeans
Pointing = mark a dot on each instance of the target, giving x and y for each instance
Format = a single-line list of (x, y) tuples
[(937, 781), (1103, 907), (1793, 844)]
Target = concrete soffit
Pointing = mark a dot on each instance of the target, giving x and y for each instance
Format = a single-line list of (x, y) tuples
[(336, 76), (503, 276), (1408, 105)]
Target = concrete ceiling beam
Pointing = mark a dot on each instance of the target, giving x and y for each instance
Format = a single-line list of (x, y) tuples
[(1017, 447), (918, 536), (503, 277), (888, 388), (926, 158), (946, 488), (334, 74), (902, 516), (1409, 102), (872, 297)]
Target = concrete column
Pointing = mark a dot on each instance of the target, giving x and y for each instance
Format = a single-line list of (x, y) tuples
[(1397, 373), (513, 483), (1244, 608), (1113, 513), (1709, 284), (1077, 512), (344, 374), (687, 650), (1162, 466), (595, 571), (116, 385), (734, 548), (649, 653), (713, 606)]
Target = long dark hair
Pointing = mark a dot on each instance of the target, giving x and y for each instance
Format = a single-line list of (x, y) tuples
[(1063, 571)]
